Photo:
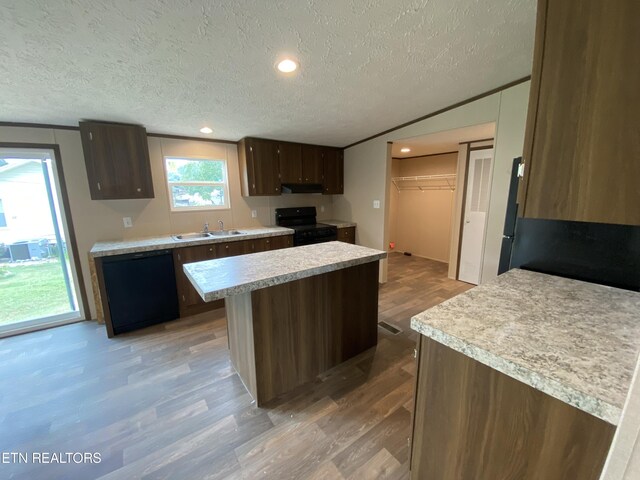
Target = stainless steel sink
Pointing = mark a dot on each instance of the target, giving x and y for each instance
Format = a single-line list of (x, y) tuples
[(190, 236), (225, 233)]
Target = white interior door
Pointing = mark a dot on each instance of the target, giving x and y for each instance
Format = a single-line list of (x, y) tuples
[(475, 215)]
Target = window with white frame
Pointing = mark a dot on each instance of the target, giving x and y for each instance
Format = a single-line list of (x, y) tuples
[(197, 183)]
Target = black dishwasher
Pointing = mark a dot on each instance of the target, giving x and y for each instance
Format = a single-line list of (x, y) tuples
[(141, 289)]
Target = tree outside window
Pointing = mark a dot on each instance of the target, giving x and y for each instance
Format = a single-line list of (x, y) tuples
[(197, 183)]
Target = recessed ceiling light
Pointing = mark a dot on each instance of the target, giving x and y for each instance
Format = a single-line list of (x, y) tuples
[(287, 65), (405, 150), (206, 130)]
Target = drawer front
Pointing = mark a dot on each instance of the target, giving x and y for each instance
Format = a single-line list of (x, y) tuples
[(347, 234)]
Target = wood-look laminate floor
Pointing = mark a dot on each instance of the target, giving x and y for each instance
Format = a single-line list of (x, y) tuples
[(164, 402)]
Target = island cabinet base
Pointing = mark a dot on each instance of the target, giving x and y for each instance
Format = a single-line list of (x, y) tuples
[(283, 336), (473, 422)]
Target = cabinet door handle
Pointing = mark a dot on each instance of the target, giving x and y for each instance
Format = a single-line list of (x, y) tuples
[(99, 187)]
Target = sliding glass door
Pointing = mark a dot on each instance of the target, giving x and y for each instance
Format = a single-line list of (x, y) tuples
[(38, 286)]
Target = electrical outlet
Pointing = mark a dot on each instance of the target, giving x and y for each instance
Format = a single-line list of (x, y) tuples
[(321, 208), (127, 222), (254, 214), (376, 204)]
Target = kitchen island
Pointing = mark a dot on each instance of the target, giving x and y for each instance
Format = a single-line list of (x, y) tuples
[(523, 377), (295, 313)]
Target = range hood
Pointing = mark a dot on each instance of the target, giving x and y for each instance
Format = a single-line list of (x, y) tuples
[(301, 188)]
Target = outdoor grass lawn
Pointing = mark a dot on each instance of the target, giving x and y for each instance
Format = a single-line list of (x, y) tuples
[(31, 291)]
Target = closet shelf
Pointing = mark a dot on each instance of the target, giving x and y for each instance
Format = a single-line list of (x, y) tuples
[(426, 182)]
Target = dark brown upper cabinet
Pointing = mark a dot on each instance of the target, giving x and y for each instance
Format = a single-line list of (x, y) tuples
[(312, 166), (582, 147), (259, 167), (117, 160), (267, 164), (290, 162), (333, 159)]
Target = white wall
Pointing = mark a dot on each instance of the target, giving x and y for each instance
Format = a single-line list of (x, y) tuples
[(102, 220), (509, 142), (367, 166)]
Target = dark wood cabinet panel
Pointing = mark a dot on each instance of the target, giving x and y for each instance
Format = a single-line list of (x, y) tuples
[(347, 234), (117, 160), (582, 142), (259, 167), (266, 164), (188, 297), (472, 421), (305, 327), (333, 159), (290, 162), (230, 249), (312, 165), (282, 241)]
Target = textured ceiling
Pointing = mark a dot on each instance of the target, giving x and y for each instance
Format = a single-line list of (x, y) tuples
[(176, 65), (447, 141)]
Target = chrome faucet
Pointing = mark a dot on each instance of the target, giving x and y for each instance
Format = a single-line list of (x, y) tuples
[(205, 229), (221, 223)]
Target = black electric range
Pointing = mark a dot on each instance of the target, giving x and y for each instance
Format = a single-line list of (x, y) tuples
[(303, 221)]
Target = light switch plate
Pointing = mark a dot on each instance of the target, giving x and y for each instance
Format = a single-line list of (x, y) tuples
[(321, 208), (254, 214), (376, 204), (127, 222)]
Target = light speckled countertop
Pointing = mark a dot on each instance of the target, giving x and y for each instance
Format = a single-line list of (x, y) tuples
[(120, 247), (338, 223), (223, 277), (575, 341)]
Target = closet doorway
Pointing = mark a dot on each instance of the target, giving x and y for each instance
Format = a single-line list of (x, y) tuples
[(431, 197)]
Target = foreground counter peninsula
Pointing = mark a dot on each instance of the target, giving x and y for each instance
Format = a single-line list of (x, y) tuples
[(523, 377), (294, 313)]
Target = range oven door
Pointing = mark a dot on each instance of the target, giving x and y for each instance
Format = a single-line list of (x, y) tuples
[(309, 238)]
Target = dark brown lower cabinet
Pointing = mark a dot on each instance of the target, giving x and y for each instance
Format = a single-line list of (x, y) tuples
[(189, 299), (275, 243), (347, 234), (473, 422)]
